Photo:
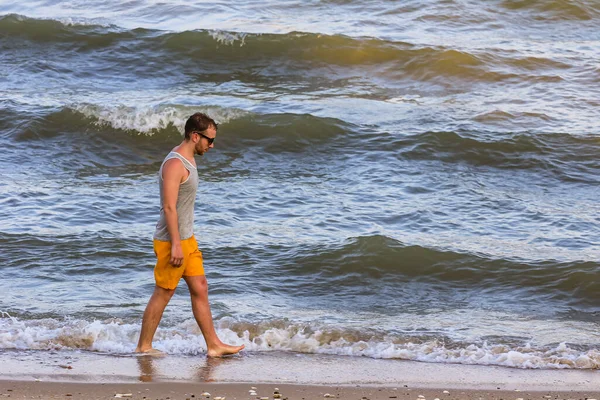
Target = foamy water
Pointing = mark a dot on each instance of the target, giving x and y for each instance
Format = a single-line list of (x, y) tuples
[(117, 337)]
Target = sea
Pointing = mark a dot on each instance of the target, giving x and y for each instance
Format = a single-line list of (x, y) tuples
[(404, 180)]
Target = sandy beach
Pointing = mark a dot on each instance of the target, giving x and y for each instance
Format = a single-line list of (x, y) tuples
[(86, 375), (179, 390)]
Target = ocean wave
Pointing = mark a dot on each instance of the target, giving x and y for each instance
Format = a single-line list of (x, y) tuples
[(149, 120), (55, 22), (570, 157), (557, 9), (59, 30), (370, 267), (380, 262), (127, 125), (215, 52), (238, 126), (118, 337), (119, 123)]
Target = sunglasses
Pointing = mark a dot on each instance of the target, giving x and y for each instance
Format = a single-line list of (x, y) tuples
[(210, 139)]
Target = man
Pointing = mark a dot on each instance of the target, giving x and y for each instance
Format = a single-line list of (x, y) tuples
[(174, 243)]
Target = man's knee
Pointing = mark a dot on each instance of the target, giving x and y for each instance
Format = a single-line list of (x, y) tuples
[(198, 285), (164, 294)]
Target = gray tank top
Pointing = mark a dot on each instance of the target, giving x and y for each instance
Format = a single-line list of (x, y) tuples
[(185, 202)]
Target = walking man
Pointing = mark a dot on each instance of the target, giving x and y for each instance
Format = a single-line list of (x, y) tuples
[(174, 243)]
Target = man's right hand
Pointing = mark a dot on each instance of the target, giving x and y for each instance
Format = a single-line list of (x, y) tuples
[(176, 255)]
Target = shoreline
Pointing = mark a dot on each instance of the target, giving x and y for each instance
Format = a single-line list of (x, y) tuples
[(235, 391), (89, 375)]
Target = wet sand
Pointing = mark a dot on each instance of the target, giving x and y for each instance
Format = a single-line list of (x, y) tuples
[(88, 375), (235, 391)]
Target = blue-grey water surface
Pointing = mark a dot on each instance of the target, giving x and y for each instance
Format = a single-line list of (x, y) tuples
[(413, 180)]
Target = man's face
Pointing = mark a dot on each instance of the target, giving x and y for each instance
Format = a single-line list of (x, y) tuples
[(202, 140)]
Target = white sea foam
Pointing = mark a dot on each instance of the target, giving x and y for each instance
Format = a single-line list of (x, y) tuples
[(69, 21), (228, 38), (82, 21), (118, 337), (150, 119)]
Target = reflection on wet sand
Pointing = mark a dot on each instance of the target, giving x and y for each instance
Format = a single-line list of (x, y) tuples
[(147, 368), (204, 371)]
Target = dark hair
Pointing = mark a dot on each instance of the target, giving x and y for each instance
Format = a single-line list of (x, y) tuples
[(199, 122)]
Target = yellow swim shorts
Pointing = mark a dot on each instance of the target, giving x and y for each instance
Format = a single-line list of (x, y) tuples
[(166, 274)]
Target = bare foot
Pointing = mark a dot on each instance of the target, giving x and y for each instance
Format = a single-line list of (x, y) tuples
[(223, 350), (149, 352)]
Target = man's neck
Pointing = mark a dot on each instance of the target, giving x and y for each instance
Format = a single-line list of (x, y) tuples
[(186, 149)]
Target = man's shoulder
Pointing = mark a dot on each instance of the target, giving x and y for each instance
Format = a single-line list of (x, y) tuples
[(173, 167), (173, 161)]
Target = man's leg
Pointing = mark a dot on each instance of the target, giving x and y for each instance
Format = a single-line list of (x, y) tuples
[(199, 295), (154, 311)]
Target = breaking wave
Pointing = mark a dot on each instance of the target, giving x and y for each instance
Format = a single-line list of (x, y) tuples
[(117, 337)]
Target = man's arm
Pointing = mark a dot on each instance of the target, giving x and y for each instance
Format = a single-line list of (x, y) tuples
[(173, 173)]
